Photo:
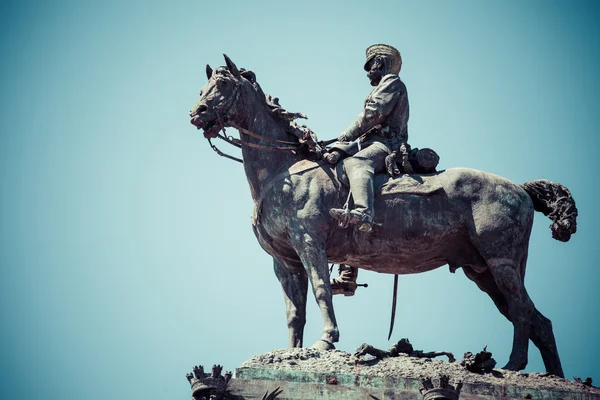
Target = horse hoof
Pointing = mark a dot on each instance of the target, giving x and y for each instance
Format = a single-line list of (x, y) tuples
[(323, 344), (514, 366)]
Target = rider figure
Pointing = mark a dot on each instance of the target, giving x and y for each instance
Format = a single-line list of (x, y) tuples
[(382, 132)]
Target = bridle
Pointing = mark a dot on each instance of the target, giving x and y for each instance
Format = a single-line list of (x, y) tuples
[(223, 110)]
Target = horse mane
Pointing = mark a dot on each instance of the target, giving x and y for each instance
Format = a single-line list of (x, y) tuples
[(304, 134), (271, 102)]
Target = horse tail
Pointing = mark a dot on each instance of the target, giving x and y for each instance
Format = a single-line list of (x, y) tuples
[(554, 201)]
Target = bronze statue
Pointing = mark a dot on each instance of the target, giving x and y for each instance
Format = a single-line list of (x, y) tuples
[(465, 218)]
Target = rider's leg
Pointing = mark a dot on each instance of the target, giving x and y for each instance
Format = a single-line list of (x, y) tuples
[(360, 170), (360, 173), (345, 283)]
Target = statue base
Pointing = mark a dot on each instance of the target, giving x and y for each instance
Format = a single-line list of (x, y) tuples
[(313, 374)]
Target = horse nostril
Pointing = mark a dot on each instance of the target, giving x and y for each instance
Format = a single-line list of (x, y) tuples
[(202, 108)]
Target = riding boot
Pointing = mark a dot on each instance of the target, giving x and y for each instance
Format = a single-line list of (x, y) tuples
[(346, 217), (345, 283), (360, 170), (361, 182)]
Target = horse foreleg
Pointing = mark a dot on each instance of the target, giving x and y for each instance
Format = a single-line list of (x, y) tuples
[(520, 309), (312, 253), (294, 281)]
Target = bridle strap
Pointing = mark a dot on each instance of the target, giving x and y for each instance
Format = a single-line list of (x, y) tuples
[(258, 146), (287, 145), (219, 152), (266, 139), (230, 139)]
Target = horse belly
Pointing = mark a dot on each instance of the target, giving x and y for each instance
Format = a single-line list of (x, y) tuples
[(418, 233)]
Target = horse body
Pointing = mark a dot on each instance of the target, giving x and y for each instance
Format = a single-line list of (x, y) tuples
[(419, 232), (478, 221)]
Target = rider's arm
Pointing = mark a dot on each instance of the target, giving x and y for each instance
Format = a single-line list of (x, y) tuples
[(378, 106), (399, 135)]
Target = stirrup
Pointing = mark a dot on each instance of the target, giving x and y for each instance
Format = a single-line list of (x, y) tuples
[(345, 217), (345, 288), (342, 215)]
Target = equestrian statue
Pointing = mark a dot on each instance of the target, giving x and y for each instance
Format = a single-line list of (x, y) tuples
[(371, 201)]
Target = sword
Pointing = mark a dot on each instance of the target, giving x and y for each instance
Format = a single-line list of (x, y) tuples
[(394, 305)]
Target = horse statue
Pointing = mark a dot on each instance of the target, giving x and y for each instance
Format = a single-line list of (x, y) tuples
[(474, 220)]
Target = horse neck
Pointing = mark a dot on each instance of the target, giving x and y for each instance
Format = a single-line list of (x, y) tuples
[(262, 165)]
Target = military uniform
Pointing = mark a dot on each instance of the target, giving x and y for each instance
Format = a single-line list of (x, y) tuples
[(384, 117), (382, 131)]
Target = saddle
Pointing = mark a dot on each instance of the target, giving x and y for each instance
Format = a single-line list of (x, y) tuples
[(422, 161), (406, 184), (423, 181)]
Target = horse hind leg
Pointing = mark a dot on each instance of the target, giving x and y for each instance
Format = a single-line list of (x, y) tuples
[(503, 283), (520, 308), (294, 283), (543, 337), (485, 282), (541, 328)]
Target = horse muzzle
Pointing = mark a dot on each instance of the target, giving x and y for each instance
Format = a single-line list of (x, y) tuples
[(196, 121), (210, 128)]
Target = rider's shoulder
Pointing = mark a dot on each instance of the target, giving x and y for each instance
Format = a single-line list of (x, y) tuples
[(392, 81)]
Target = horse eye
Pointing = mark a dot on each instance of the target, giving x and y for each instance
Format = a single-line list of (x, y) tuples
[(201, 93)]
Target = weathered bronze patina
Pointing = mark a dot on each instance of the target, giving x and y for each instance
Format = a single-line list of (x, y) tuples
[(467, 219)]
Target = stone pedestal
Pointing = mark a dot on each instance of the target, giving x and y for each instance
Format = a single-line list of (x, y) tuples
[(310, 374)]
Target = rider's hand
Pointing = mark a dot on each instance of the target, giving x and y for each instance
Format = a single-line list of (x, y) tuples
[(332, 157), (390, 164)]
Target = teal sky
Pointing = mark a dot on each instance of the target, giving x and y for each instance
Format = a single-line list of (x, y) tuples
[(126, 250)]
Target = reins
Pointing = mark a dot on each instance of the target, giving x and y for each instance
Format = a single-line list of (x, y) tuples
[(219, 152), (238, 143), (291, 145)]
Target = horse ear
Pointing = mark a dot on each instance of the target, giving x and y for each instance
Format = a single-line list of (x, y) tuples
[(231, 66), (249, 75), (209, 71)]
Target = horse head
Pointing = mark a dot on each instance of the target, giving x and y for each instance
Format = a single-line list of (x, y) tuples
[(219, 102), (233, 97)]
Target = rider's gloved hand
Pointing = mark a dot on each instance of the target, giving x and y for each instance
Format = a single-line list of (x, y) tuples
[(390, 164), (332, 157)]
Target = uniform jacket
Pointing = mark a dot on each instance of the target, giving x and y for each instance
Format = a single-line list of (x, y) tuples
[(386, 110)]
